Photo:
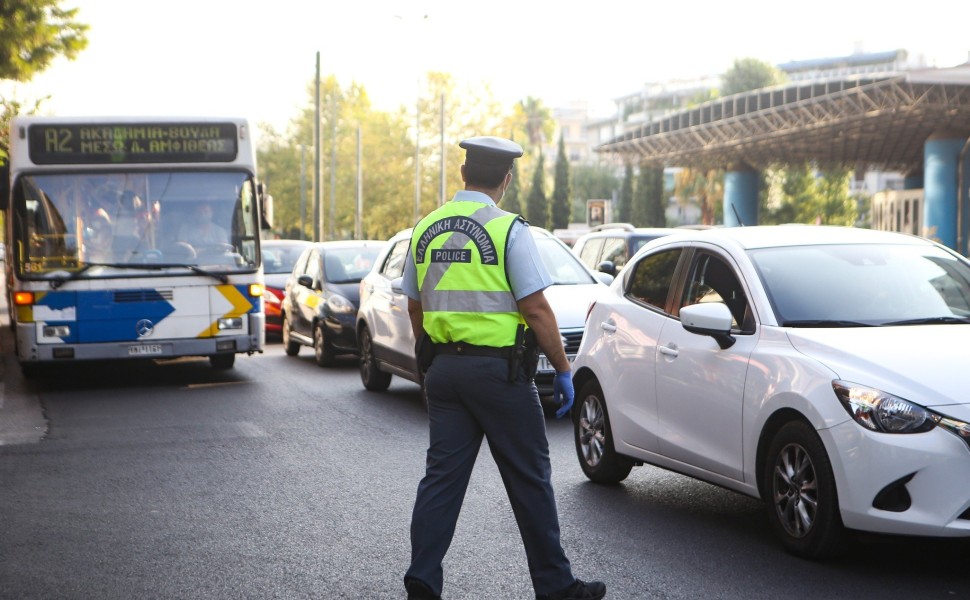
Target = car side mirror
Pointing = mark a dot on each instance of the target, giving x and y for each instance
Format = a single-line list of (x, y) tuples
[(604, 278), (607, 267), (709, 318), (305, 281), (396, 285)]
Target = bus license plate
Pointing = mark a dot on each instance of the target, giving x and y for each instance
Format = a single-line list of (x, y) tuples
[(145, 350)]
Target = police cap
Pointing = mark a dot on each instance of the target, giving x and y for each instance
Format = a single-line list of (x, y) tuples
[(489, 150)]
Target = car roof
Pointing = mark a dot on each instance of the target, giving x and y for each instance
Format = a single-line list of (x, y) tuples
[(774, 236), (336, 244), (284, 243)]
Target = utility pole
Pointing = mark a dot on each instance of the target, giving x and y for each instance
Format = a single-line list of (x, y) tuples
[(302, 191), (317, 158), (333, 163)]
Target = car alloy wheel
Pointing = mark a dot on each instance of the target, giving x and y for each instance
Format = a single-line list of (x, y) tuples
[(371, 376), (594, 444), (800, 487), (323, 351), (291, 347)]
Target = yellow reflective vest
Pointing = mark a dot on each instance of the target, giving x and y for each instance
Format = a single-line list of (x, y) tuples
[(459, 251)]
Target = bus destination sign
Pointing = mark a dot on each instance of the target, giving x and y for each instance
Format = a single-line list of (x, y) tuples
[(63, 144)]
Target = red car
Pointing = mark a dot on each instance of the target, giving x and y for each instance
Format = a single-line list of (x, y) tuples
[(278, 259)]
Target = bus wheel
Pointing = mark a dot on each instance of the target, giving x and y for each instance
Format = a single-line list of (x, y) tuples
[(222, 361)]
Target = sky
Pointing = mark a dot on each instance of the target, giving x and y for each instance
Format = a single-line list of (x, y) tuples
[(257, 59)]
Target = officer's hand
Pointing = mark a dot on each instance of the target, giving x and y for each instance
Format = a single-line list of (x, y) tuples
[(563, 393)]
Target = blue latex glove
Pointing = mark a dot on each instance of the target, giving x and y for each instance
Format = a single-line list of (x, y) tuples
[(563, 393)]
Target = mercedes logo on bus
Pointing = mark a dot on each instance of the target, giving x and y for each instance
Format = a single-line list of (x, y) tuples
[(144, 328)]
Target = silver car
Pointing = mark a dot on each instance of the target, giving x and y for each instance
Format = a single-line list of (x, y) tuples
[(384, 330)]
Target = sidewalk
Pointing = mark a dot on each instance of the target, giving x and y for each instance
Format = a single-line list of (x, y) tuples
[(21, 417)]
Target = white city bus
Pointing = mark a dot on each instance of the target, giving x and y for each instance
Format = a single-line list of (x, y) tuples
[(132, 238)]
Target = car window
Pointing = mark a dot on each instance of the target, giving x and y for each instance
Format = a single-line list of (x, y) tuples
[(712, 280), (614, 250), (590, 252), (280, 259), (300, 267), (561, 263), (313, 266), (872, 283), (394, 265), (652, 276)]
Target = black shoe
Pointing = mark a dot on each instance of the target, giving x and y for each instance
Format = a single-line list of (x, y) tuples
[(419, 591), (579, 590)]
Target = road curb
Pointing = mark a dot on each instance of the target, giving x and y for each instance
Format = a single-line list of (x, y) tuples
[(22, 419)]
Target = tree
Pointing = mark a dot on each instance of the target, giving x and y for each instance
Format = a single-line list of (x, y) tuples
[(535, 119), (32, 34), (560, 191), (649, 208), (748, 74), (537, 206), (35, 32), (510, 201)]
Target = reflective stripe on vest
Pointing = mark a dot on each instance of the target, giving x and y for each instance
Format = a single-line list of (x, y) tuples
[(459, 252)]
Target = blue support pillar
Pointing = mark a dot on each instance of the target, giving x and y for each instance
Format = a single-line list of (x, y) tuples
[(740, 198), (941, 157)]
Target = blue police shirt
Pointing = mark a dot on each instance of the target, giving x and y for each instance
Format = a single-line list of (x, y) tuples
[(527, 273)]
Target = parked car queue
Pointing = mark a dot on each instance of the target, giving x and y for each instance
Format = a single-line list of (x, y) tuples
[(819, 369)]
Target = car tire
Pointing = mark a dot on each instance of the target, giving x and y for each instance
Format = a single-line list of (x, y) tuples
[(803, 503), (222, 362), (291, 347), (322, 349), (371, 375), (594, 438)]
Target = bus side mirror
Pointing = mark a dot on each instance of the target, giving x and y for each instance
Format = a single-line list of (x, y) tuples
[(265, 208), (4, 186)]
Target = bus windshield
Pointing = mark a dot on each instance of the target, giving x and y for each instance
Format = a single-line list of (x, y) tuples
[(111, 223)]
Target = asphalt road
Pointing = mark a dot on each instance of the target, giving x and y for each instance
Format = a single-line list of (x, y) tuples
[(279, 479)]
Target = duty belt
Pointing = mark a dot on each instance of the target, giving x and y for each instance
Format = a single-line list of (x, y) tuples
[(466, 349)]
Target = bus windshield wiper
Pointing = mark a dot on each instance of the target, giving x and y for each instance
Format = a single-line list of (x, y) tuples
[(946, 320), (825, 323), (159, 266), (59, 281)]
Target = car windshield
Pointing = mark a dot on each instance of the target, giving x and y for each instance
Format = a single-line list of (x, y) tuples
[(561, 263), (279, 259), (349, 265), (864, 285)]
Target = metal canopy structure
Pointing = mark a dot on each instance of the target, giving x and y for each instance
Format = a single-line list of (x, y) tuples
[(882, 123)]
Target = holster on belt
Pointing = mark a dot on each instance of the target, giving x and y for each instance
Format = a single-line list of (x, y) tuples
[(526, 354), (424, 352)]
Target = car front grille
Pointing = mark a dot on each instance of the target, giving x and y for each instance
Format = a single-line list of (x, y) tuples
[(573, 338)]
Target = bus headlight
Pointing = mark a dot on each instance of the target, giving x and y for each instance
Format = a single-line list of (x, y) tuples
[(61, 331), (230, 323)]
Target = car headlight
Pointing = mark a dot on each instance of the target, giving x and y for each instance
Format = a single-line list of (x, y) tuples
[(882, 412), (878, 411), (339, 305)]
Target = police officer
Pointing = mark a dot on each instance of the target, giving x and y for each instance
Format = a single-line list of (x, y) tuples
[(475, 282)]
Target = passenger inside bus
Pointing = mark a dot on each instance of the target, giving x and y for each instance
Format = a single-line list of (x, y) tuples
[(98, 238)]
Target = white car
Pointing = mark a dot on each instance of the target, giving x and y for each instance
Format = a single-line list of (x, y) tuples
[(384, 330), (821, 369)]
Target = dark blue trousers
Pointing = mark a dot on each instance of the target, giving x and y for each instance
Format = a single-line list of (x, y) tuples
[(469, 398)]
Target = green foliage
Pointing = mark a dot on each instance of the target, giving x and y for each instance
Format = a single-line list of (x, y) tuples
[(560, 191), (748, 74), (798, 194), (649, 205), (390, 142), (32, 34), (590, 182), (537, 205), (510, 201), (35, 32)]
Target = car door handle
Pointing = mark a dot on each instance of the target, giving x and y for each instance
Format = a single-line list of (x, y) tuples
[(668, 351), (608, 327)]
